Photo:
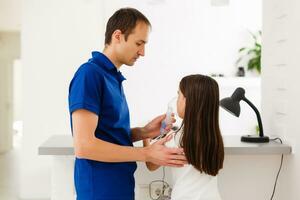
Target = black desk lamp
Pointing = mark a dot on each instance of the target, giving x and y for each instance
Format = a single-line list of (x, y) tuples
[(232, 105)]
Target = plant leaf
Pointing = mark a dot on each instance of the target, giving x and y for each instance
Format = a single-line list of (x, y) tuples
[(242, 49), (253, 35), (257, 45)]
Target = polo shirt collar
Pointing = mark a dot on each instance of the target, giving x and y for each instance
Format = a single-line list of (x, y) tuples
[(104, 61)]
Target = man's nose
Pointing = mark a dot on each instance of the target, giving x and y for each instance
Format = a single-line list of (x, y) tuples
[(141, 52)]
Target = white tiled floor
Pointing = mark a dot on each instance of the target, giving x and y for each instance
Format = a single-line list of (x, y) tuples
[(9, 172)]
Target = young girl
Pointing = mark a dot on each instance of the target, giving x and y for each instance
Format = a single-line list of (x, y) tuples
[(200, 137)]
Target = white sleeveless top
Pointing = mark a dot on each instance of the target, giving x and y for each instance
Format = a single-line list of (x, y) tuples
[(189, 183)]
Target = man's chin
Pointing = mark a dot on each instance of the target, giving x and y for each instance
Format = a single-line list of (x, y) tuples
[(130, 63)]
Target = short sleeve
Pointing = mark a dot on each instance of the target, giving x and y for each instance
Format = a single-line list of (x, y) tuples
[(85, 90)]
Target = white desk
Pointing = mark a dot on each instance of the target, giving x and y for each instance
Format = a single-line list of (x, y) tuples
[(60, 147)]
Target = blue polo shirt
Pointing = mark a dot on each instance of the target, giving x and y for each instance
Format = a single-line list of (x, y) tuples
[(97, 87)]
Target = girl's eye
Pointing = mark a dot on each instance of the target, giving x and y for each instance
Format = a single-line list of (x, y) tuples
[(138, 44)]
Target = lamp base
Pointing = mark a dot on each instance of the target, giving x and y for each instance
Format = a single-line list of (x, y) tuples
[(255, 139)]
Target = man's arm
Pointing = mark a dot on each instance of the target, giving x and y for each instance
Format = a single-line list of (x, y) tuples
[(151, 166), (87, 146), (138, 133)]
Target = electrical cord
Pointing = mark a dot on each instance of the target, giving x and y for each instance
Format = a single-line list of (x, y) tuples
[(281, 161), (163, 179), (165, 185), (161, 195)]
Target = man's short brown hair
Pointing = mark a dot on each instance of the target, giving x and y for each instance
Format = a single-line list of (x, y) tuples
[(125, 20)]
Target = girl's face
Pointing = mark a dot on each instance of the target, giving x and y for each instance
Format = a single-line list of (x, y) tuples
[(180, 104)]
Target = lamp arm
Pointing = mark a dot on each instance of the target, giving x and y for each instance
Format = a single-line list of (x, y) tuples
[(260, 126)]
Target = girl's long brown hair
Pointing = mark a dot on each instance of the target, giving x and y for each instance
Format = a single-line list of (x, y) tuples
[(201, 138)]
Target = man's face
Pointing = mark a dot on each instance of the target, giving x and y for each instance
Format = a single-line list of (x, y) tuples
[(129, 51)]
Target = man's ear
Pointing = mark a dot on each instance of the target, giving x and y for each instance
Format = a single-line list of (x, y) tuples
[(117, 36)]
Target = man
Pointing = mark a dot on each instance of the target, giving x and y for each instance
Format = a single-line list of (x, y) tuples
[(105, 156)]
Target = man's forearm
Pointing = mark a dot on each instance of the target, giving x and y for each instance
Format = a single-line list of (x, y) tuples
[(99, 150), (151, 166), (138, 134)]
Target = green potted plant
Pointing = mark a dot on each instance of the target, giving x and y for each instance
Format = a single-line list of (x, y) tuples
[(252, 55)]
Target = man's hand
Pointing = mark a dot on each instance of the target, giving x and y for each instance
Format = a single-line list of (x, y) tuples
[(161, 155), (152, 129)]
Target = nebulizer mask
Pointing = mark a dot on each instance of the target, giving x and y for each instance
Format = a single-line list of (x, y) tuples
[(172, 109)]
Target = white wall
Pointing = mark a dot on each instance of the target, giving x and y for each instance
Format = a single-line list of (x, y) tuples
[(280, 85), (17, 89), (10, 50), (10, 15)]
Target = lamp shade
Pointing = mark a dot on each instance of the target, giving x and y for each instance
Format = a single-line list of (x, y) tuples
[(232, 104)]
